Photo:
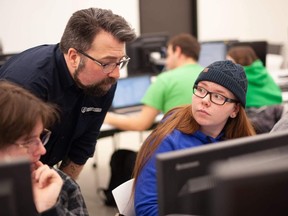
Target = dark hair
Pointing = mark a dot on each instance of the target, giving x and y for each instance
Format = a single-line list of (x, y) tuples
[(84, 25), (188, 44), (19, 112), (243, 55)]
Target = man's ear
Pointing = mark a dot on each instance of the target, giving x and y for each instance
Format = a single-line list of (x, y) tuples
[(73, 58), (178, 50)]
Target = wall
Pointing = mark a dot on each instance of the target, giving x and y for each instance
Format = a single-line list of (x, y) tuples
[(32, 22), (244, 20)]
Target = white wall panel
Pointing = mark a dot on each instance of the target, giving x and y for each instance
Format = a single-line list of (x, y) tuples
[(32, 22)]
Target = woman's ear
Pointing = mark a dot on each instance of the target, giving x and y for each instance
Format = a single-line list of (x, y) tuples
[(235, 111)]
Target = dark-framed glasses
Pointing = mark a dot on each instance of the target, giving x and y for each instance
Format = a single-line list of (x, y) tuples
[(109, 67), (215, 98), (31, 143)]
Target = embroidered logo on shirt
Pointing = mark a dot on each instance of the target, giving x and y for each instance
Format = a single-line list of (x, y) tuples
[(91, 109)]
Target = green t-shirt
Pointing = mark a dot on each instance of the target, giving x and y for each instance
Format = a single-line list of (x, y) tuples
[(172, 88), (262, 89)]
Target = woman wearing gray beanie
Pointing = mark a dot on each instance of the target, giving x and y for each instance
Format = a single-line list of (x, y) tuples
[(217, 113)]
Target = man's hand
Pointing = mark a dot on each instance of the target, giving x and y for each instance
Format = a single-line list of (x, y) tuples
[(70, 168), (47, 185)]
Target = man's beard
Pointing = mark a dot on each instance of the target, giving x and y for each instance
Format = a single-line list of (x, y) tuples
[(96, 89)]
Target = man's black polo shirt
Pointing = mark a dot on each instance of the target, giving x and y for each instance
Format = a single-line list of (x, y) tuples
[(43, 71)]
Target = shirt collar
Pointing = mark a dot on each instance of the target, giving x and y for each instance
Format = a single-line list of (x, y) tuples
[(208, 139), (64, 74)]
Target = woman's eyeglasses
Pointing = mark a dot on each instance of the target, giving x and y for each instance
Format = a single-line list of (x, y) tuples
[(215, 98)]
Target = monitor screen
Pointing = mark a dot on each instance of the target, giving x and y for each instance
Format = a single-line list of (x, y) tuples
[(147, 54), (211, 52), (255, 186), (183, 176), (15, 188), (130, 91)]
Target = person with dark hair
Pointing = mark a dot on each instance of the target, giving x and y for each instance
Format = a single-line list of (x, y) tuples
[(264, 96), (262, 89), (23, 133), (79, 75), (170, 89), (217, 113)]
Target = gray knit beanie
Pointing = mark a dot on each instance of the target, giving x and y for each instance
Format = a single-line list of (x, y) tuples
[(229, 75)]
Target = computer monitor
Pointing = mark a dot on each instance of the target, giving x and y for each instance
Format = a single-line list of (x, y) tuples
[(15, 188), (211, 52), (147, 54), (129, 93), (255, 186), (183, 176)]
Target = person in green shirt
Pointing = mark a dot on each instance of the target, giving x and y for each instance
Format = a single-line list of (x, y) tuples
[(264, 97), (170, 88), (262, 89)]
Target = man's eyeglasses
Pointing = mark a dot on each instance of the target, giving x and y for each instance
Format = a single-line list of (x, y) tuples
[(43, 139), (214, 97), (109, 67)]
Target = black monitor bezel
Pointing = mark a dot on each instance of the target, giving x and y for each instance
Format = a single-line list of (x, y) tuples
[(140, 49), (16, 177), (195, 162), (250, 186)]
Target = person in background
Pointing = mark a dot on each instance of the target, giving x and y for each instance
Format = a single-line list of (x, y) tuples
[(281, 124), (170, 89), (262, 89), (79, 75), (23, 118), (217, 113), (264, 96)]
